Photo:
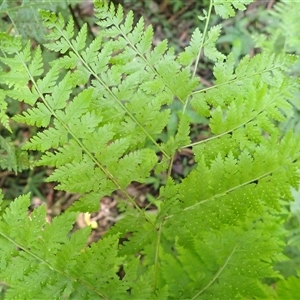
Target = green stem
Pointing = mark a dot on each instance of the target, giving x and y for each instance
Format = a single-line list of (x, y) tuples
[(232, 81), (217, 274), (170, 166), (157, 256), (200, 50), (204, 35)]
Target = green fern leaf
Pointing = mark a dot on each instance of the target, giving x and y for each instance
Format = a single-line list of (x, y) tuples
[(182, 136), (4, 119), (141, 234), (63, 36), (91, 52), (39, 116), (89, 202), (51, 263), (146, 42), (157, 52), (49, 81), (224, 72), (83, 177), (288, 289), (237, 261), (23, 94), (141, 162), (210, 49), (126, 27), (187, 57), (225, 9), (49, 138), (12, 157), (143, 287), (80, 41), (61, 93), (286, 21), (36, 66), (108, 14), (105, 107), (66, 154)]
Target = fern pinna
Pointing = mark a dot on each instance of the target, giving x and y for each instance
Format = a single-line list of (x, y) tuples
[(101, 108)]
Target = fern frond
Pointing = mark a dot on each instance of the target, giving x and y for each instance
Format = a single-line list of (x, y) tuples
[(79, 119), (226, 192), (82, 178), (4, 119), (235, 265), (65, 154), (288, 289), (187, 57), (50, 263), (141, 233), (226, 9), (160, 69), (39, 116), (12, 157), (240, 111), (209, 45), (104, 107), (143, 287), (286, 12), (49, 138)]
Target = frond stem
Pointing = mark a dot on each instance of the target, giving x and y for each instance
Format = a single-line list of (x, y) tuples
[(228, 131), (218, 273), (170, 166), (204, 34), (214, 197), (232, 81), (157, 255), (200, 50)]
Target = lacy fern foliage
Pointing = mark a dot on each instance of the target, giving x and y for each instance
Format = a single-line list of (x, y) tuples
[(50, 264), (101, 109)]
